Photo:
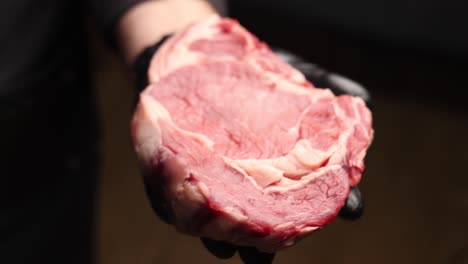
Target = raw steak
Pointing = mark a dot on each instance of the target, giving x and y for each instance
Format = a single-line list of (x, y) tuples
[(239, 146)]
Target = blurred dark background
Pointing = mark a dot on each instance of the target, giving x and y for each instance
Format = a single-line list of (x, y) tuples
[(412, 56)]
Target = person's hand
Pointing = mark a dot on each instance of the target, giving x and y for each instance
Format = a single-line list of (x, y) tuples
[(319, 77)]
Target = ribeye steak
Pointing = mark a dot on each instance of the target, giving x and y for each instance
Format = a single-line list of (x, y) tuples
[(239, 145)]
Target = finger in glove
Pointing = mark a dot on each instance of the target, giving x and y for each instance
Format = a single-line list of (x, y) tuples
[(248, 255), (219, 249), (157, 201), (354, 205), (322, 78), (251, 255)]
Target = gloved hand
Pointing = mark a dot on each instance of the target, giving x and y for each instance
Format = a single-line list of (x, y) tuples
[(319, 77)]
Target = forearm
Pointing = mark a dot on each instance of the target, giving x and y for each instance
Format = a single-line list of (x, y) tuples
[(149, 21)]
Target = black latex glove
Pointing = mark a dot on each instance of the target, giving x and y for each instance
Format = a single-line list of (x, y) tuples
[(320, 78)]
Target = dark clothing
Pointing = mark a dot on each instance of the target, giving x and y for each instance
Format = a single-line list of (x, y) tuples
[(48, 135), (39, 38)]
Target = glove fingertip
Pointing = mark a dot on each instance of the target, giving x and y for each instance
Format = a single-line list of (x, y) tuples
[(343, 85), (354, 205), (157, 203), (251, 255), (219, 249)]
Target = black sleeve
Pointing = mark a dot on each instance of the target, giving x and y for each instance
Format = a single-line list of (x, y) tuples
[(106, 13)]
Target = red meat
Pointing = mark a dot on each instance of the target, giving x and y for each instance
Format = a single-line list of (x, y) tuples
[(240, 146)]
